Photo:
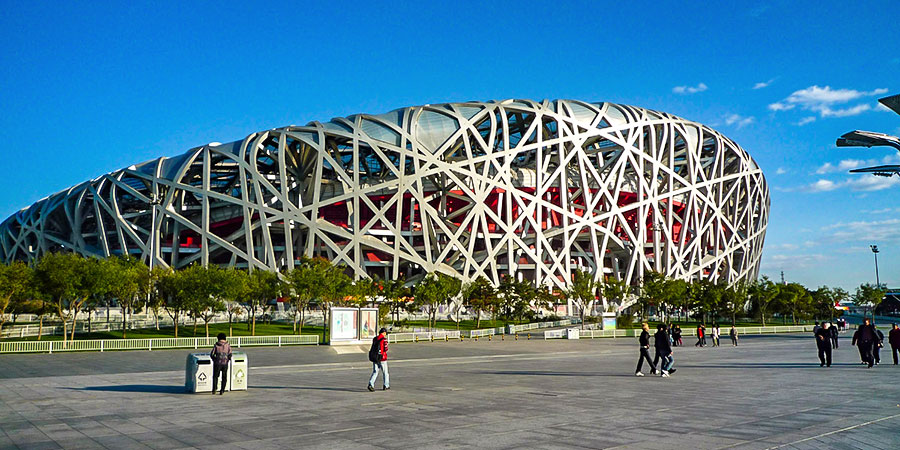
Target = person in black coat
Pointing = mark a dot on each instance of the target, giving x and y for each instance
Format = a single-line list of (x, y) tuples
[(876, 348), (866, 338), (644, 342), (664, 350), (823, 342), (894, 340), (834, 336)]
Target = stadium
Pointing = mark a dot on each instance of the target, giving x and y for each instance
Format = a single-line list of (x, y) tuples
[(532, 189)]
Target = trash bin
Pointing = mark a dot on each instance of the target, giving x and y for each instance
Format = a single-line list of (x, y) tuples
[(237, 371), (572, 333), (198, 372)]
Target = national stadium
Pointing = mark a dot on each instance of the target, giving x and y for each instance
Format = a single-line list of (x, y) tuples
[(530, 189)]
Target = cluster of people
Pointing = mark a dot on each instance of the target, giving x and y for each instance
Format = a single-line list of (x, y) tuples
[(715, 334), (662, 341), (868, 340)]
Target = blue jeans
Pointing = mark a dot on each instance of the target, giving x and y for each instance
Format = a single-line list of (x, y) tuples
[(667, 362), (384, 367)]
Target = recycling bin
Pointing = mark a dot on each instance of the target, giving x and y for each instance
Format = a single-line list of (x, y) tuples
[(198, 372), (238, 371), (572, 333)]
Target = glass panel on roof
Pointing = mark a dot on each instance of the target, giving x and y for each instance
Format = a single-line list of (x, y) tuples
[(380, 132), (433, 128), (469, 111), (615, 115), (582, 113)]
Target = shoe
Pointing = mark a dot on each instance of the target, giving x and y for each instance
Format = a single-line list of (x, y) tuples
[(671, 371), (371, 388), (385, 388), (654, 372), (665, 375), (638, 374), (222, 393)]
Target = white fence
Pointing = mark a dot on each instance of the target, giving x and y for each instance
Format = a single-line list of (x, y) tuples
[(423, 336), (152, 343), (591, 334), (535, 325)]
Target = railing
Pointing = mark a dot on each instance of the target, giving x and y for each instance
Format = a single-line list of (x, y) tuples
[(152, 343), (535, 325), (555, 334), (591, 334), (423, 336)]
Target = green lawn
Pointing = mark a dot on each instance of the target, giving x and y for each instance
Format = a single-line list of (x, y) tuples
[(451, 325), (240, 329)]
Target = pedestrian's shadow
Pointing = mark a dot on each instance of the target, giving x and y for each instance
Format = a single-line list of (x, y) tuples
[(148, 388), (312, 388)]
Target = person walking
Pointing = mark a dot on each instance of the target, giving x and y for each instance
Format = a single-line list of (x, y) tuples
[(876, 349), (221, 355), (378, 356), (676, 336), (823, 342), (894, 340), (734, 336), (865, 339), (700, 336), (715, 335), (644, 342), (664, 350), (834, 335)]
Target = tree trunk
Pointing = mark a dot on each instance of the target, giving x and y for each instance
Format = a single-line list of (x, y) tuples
[(762, 316), (230, 329), (478, 319), (294, 325), (300, 324), (175, 320), (195, 326), (253, 319), (124, 322), (156, 316), (107, 312), (206, 322)]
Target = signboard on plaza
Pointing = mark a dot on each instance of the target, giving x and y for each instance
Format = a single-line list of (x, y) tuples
[(353, 325)]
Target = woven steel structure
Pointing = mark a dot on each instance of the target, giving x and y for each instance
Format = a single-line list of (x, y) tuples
[(535, 189)]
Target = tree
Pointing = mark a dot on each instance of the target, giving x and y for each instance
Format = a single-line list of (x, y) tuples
[(868, 296), (305, 282), (335, 287), (262, 286), (734, 298), (436, 288), (15, 280), (171, 286), (613, 290), (583, 291), (132, 280), (482, 297), (763, 293), (234, 310), (397, 296), (69, 280), (795, 299), (653, 292)]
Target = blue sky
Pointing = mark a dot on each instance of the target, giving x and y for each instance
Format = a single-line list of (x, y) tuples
[(92, 87)]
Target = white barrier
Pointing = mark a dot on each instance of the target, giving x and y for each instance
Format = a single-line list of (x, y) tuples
[(591, 334), (152, 343), (423, 336)]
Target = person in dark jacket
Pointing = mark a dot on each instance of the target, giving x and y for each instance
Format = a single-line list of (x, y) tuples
[(676, 336), (701, 338), (865, 339), (220, 354), (894, 340), (379, 344), (876, 348), (644, 342), (834, 336), (664, 350), (823, 342)]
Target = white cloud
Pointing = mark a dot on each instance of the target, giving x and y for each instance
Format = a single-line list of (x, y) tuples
[(823, 99), (763, 84), (861, 183), (739, 121), (843, 166), (806, 120), (845, 112), (689, 89), (795, 261), (868, 231), (780, 171), (881, 211)]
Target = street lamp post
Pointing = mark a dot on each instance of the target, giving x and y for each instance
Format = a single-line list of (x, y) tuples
[(877, 280)]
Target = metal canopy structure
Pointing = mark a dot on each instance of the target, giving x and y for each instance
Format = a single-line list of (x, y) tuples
[(859, 138), (477, 189)]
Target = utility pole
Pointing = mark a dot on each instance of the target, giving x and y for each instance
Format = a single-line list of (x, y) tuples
[(877, 280)]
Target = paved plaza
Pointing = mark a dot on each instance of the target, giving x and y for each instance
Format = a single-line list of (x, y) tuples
[(767, 393)]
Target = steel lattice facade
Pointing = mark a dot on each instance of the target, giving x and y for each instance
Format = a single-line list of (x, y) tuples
[(535, 189)]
